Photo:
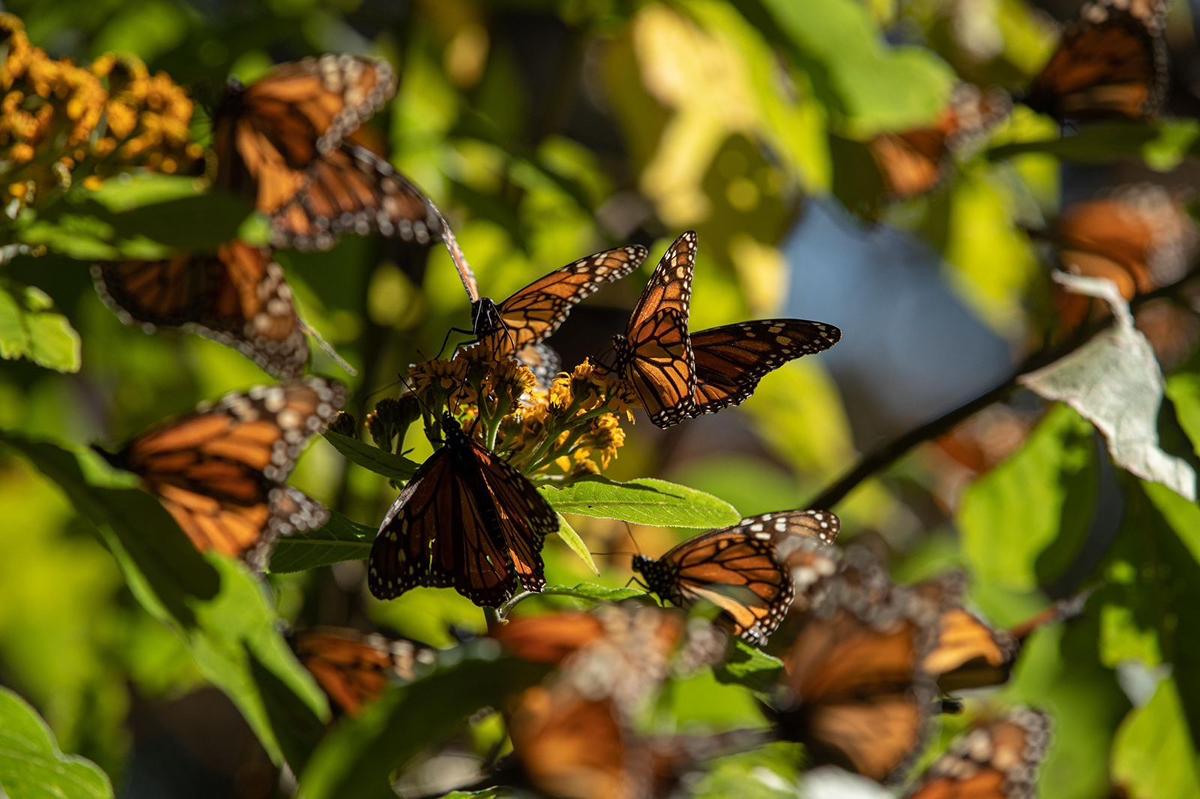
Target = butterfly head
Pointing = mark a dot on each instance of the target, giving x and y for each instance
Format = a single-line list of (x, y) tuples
[(485, 317)]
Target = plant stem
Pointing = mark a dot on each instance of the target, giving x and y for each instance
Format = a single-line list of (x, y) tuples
[(880, 459)]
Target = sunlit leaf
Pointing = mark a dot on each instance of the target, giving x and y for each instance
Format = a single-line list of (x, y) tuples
[(643, 501), (593, 592), (1161, 145), (1114, 382), (576, 544), (31, 764), (750, 667), (1154, 754), (29, 329)]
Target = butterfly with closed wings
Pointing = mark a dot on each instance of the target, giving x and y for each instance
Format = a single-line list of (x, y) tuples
[(287, 142), (238, 297), (738, 569), (467, 520), (220, 470)]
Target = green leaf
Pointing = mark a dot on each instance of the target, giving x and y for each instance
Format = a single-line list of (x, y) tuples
[(643, 501), (1154, 754), (218, 607), (749, 667), (358, 756), (592, 592), (1115, 383), (1024, 522), (339, 540), (31, 764), (28, 329), (571, 538), (394, 467), (873, 87)]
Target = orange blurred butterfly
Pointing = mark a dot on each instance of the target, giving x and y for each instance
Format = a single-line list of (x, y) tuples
[(238, 297), (969, 653), (856, 693), (220, 470), (913, 162), (738, 569), (996, 760), (355, 668), (1140, 237), (1110, 63), (288, 143), (467, 520)]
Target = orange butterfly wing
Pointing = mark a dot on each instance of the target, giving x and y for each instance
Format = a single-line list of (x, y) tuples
[(466, 520), (220, 471), (731, 360), (998, 760), (532, 314), (1110, 63), (238, 297), (912, 162), (355, 669), (353, 190), (654, 358)]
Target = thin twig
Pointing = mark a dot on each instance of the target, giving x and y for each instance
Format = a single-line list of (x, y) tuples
[(883, 457)]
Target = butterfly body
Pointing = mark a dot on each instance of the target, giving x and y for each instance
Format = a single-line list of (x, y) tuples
[(467, 520), (220, 471)]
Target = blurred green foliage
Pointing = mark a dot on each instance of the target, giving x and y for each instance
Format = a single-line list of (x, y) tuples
[(548, 129)]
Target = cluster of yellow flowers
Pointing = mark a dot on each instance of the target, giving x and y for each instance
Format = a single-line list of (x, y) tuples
[(572, 426), (61, 123)]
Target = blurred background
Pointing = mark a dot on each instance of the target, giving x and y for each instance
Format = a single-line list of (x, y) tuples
[(549, 130)]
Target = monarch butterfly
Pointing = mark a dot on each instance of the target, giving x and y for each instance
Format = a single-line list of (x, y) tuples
[(287, 142), (997, 760), (654, 358), (238, 297), (738, 569), (912, 162), (466, 519), (1139, 236), (220, 470), (354, 668), (532, 314), (1110, 63), (856, 693)]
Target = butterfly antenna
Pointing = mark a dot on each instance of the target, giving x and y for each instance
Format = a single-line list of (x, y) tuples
[(328, 349), (465, 274), (629, 531)]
